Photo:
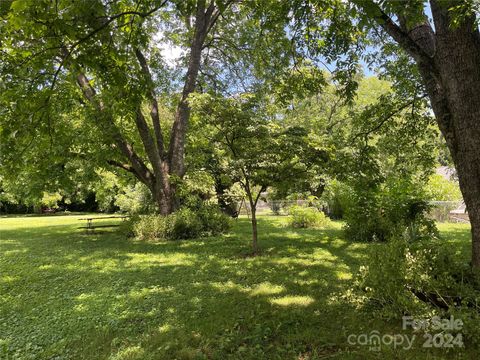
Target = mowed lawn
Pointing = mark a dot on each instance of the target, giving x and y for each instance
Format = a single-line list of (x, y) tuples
[(68, 295)]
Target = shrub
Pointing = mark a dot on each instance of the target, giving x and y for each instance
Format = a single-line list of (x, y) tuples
[(185, 223), (441, 189), (380, 213), (336, 196), (381, 283), (276, 206), (306, 217), (150, 227), (127, 225), (213, 220), (422, 280)]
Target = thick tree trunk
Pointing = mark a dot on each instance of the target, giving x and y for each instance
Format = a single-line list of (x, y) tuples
[(163, 199), (455, 97), (457, 59), (174, 163), (449, 63)]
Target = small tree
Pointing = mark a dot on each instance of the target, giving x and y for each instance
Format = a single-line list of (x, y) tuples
[(252, 147)]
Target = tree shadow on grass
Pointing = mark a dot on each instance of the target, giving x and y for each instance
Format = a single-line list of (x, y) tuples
[(88, 297)]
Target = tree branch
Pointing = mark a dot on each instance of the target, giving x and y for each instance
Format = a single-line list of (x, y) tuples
[(66, 53), (141, 170), (400, 36), (148, 142), (154, 113), (262, 189), (126, 167), (388, 117)]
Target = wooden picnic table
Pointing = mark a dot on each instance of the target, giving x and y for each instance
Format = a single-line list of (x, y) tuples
[(90, 227)]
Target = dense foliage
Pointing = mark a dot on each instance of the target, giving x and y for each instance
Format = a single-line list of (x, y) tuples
[(381, 150), (182, 113), (307, 217), (183, 224), (422, 281), (441, 189)]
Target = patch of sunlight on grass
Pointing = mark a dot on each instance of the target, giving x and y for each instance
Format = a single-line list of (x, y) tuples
[(293, 301), (291, 234), (164, 328), (226, 286), (8, 278), (310, 282), (343, 275), (337, 242), (81, 308), (129, 353), (11, 242), (191, 243), (453, 226), (141, 261), (195, 300), (105, 265), (15, 252), (267, 288), (27, 222), (45, 267), (83, 297), (292, 249), (324, 255), (304, 262), (303, 273)]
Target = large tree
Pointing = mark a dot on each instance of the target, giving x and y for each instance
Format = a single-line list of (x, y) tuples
[(87, 80), (447, 55), (91, 59)]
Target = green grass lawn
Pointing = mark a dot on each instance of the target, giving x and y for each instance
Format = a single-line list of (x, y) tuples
[(67, 295)]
